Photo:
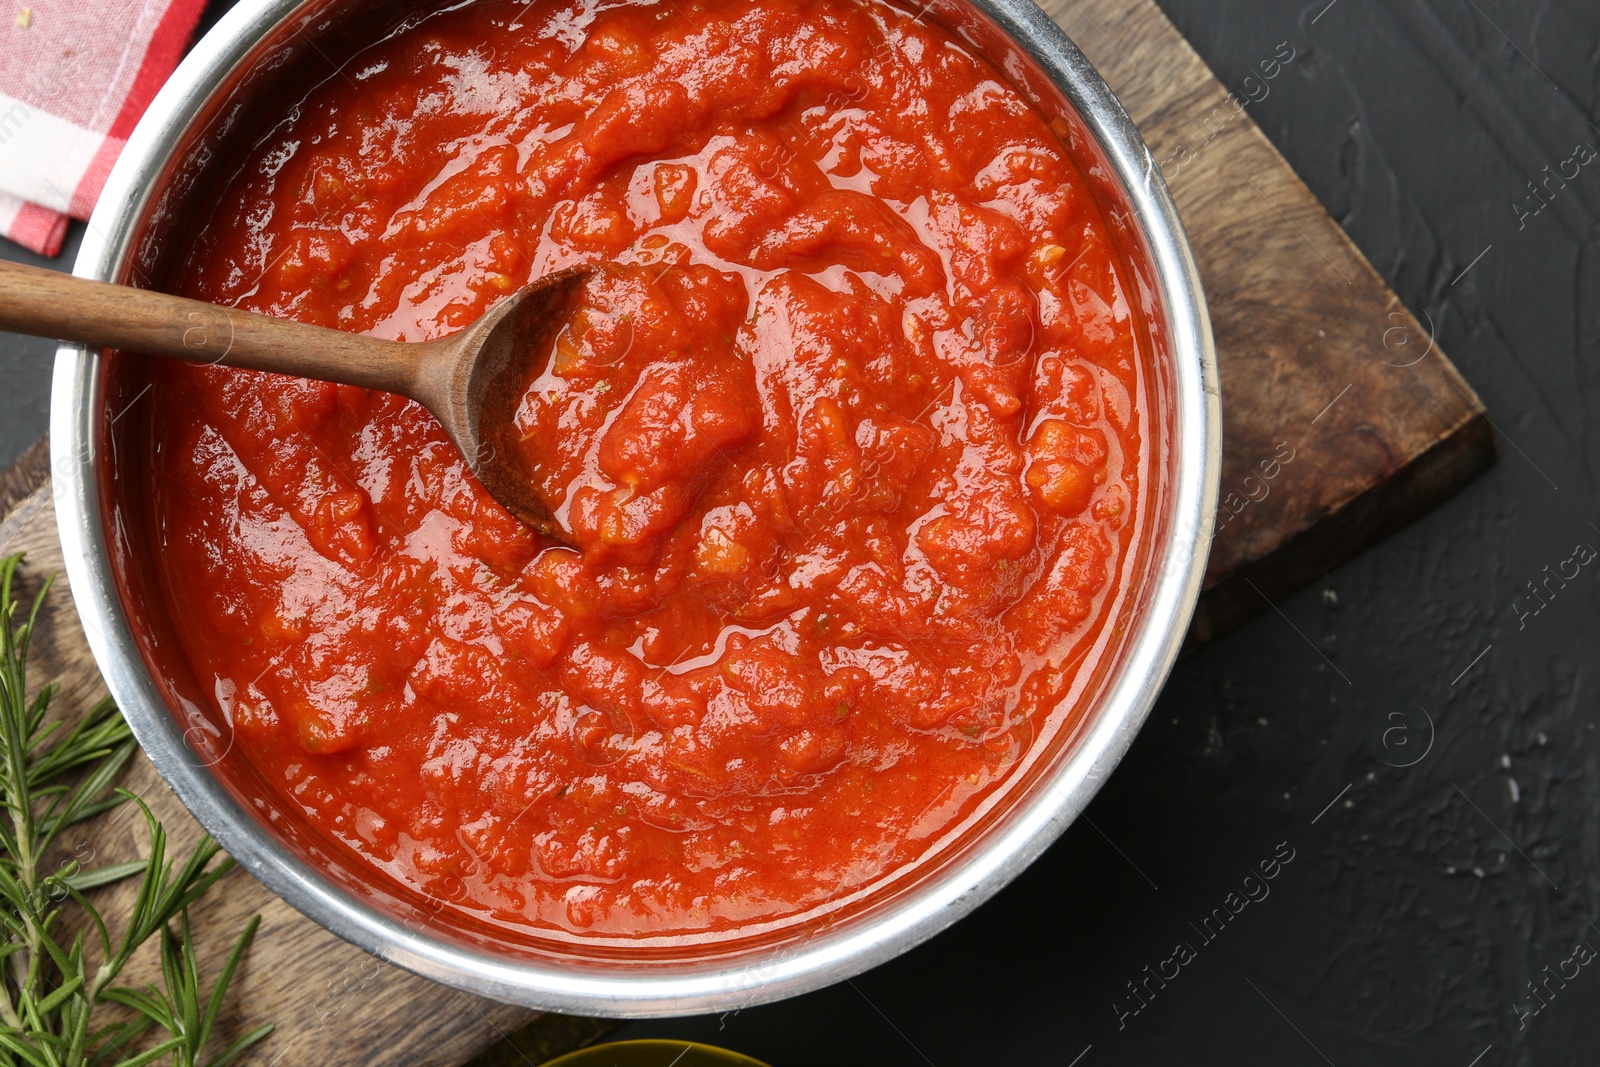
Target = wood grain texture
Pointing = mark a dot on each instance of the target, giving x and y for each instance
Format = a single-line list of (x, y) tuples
[(1302, 322), (28, 473), (1317, 357), (333, 1003)]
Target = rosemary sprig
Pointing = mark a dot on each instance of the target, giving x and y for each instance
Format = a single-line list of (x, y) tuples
[(53, 989)]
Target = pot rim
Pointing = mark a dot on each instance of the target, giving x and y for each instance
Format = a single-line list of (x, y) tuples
[(922, 908)]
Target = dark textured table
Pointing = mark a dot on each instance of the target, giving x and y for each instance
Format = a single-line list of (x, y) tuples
[(1409, 748)]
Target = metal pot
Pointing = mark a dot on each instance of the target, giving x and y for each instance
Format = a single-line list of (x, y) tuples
[(240, 79)]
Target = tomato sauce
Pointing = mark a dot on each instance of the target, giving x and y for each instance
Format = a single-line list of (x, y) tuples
[(848, 440)]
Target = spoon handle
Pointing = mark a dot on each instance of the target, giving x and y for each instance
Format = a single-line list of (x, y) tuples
[(45, 303)]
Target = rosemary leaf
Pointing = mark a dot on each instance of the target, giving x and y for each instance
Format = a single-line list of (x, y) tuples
[(54, 776), (100, 876)]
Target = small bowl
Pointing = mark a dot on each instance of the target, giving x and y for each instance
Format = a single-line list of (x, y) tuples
[(237, 79), (653, 1054)]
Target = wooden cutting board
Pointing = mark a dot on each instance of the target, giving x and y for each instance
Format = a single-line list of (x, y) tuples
[(1341, 423)]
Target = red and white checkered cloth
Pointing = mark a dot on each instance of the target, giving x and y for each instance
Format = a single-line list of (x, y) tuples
[(75, 75)]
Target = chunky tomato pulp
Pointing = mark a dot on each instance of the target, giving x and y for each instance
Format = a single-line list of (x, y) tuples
[(848, 441)]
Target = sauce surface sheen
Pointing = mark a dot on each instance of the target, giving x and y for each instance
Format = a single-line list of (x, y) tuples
[(849, 440)]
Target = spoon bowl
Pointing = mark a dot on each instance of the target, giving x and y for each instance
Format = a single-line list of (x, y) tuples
[(473, 380)]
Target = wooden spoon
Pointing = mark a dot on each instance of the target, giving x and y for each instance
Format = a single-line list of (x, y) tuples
[(472, 380)]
